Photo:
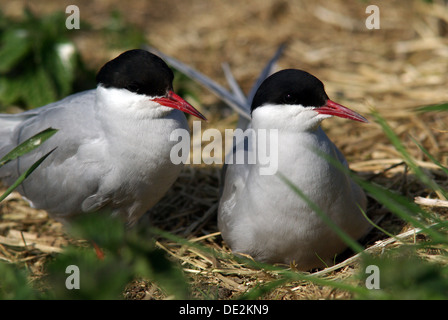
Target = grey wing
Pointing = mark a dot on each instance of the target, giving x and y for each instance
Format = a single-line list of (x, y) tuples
[(73, 171), (233, 186), (233, 180), (340, 156), (357, 192)]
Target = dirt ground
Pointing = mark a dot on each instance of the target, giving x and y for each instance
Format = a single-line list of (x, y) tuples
[(394, 70)]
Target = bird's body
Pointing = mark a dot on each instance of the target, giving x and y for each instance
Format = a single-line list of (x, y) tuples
[(279, 227), (261, 215), (112, 145)]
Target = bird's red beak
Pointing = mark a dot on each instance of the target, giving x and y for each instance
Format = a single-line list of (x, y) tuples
[(335, 109), (172, 100)]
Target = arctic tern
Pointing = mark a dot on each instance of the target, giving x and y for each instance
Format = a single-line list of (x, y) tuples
[(112, 148)]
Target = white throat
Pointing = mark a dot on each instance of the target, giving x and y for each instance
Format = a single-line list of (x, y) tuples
[(126, 103), (294, 118)]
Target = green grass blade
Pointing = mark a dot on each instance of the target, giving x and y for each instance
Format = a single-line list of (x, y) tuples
[(353, 244), (437, 107), (397, 204), (403, 208), (407, 157), (431, 157), (375, 225), (286, 275), (24, 176), (29, 145)]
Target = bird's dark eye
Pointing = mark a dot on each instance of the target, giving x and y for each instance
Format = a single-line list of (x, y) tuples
[(288, 98), (133, 87)]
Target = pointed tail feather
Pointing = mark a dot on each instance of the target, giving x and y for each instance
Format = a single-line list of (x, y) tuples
[(221, 92), (235, 99)]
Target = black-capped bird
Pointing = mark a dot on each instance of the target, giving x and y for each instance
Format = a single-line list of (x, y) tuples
[(112, 145)]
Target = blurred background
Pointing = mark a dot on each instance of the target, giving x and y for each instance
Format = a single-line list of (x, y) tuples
[(328, 38)]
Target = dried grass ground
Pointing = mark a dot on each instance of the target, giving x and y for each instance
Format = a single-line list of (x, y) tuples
[(394, 70)]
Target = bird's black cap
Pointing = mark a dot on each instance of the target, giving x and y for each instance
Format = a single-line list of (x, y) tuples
[(290, 86), (138, 71)]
